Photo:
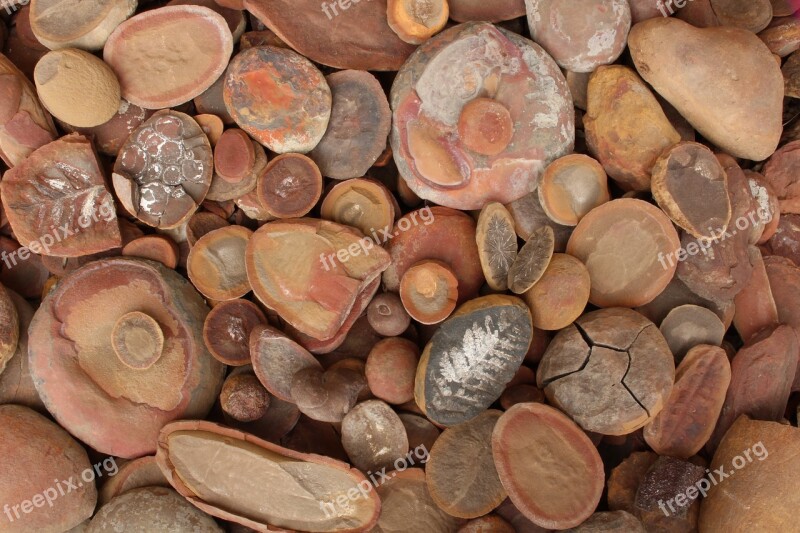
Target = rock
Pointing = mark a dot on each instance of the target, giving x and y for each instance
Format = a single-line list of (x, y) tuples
[(488, 138), (580, 35), (626, 128), (734, 103), (63, 210), (85, 25), (144, 48)]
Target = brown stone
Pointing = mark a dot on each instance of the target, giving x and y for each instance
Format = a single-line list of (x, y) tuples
[(234, 155), (78, 374), (588, 34), (358, 128), (391, 369), (36, 454), (666, 485), (531, 261), (780, 173), (39, 196), (560, 295), (141, 472), (752, 15), (112, 134), (687, 326), (437, 233), (476, 10), (77, 87), (243, 191), (529, 215), (24, 124), (611, 370), (148, 509), (437, 161), (690, 414), (610, 521), (387, 316), (690, 185), (290, 186), (9, 328), (356, 37), (634, 232), (429, 291), (319, 302), (755, 304), (216, 263), (327, 396), (154, 247), (406, 505), (782, 36), (416, 21), (86, 25), (227, 330), (762, 373), (461, 471), (167, 38), (373, 436), (719, 110), (16, 384), (534, 447), (363, 203), (625, 478), (760, 493), (626, 128), (571, 187), (276, 359)]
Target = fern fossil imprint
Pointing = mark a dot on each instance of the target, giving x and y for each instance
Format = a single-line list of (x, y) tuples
[(473, 356)]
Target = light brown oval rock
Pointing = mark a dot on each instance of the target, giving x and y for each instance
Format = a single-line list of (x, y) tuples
[(151, 509), (9, 328), (37, 454), (630, 232), (560, 295), (141, 472), (77, 87), (762, 492), (84, 25), (626, 128), (734, 104), (461, 472), (374, 436), (580, 34), (406, 505), (272, 487), (145, 48)]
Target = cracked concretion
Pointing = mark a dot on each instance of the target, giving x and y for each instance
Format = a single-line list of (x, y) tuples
[(611, 371)]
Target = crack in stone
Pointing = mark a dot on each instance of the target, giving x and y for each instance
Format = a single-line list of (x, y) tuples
[(591, 344)]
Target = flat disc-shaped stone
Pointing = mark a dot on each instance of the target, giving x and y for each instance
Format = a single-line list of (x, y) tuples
[(472, 357), (519, 87), (359, 126), (279, 97)]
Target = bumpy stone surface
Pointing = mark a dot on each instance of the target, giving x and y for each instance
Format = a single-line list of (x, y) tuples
[(580, 34), (160, 59), (611, 370), (164, 170), (433, 90), (472, 357), (80, 378), (688, 418), (626, 129), (735, 104), (151, 509), (69, 195), (24, 124), (356, 37), (279, 97), (38, 457)]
